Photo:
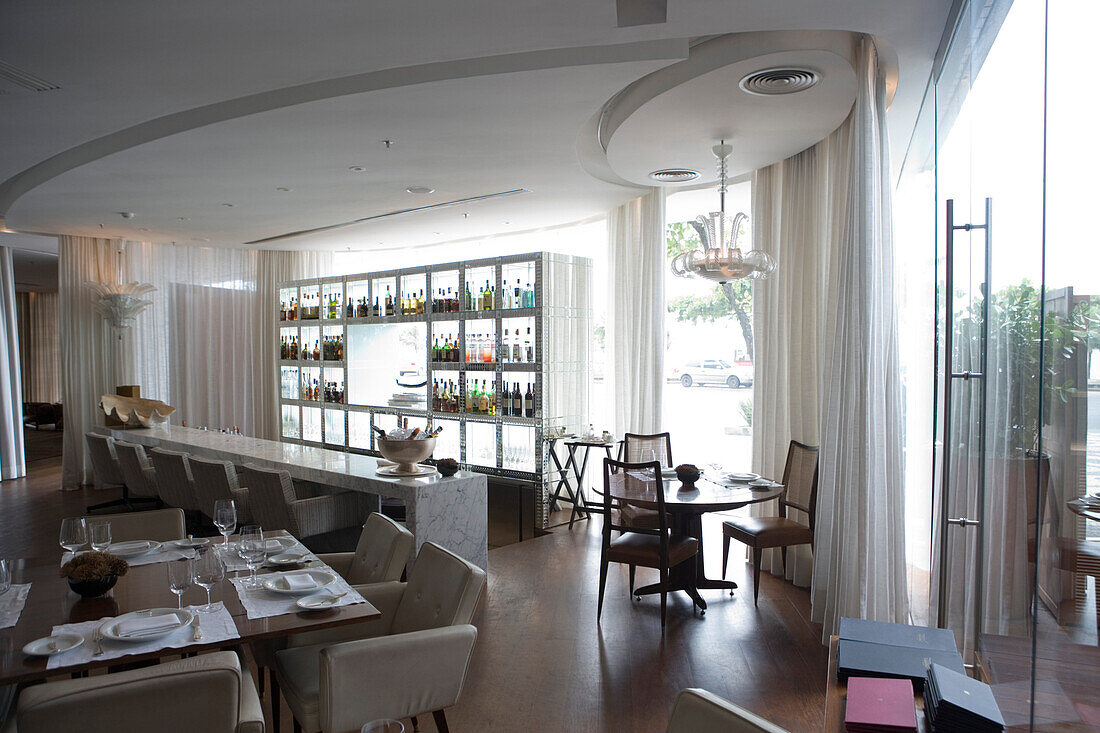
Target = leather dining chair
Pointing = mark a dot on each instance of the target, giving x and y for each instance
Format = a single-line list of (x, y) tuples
[(637, 449), (137, 472), (216, 480), (106, 473), (158, 525), (649, 548), (209, 692), (698, 711), (762, 533)]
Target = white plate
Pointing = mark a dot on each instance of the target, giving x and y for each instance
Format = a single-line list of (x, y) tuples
[(287, 558), (61, 643), (323, 578), (110, 627), (134, 548), (279, 545), (761, 483), (190, 543), (318, 602), (742, 476), (394, 471)]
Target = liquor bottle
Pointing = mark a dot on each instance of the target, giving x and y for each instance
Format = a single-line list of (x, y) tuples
[(529, 348), (492, 394), (340, 348), (469, 298), (293, 314), (435, 350), (517, 350), (517, 295), (389, 301), (471, 397), (487, 300), (487, 348), (517, 402), (435, 396), (505, 348), (529, 402), (482, 400), (420, 302)]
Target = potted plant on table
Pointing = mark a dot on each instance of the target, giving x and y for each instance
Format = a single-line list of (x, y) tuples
[(93, 573)]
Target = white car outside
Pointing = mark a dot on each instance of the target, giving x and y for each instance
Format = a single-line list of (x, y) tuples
[(712, 372)]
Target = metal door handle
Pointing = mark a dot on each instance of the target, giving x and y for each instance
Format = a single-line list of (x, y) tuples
[(964, 522)]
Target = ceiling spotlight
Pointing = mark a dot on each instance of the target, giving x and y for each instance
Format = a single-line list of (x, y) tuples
[(283, 189), (228, 206), (419, 189), (465, 215), (181, 218), (145, 229), (357, 168), (435, 233), (506, 222), (388, 143), (199, 239), (126, 214)]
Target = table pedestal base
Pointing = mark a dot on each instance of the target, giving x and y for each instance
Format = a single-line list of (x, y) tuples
[(688, 576)]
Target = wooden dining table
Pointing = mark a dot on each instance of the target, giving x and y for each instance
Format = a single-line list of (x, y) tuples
[(686, 507), (51, 603)]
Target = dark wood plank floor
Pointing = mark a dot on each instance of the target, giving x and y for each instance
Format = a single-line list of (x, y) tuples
[(541, 661)]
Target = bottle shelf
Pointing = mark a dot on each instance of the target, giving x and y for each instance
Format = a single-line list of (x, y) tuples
[(531, 312)]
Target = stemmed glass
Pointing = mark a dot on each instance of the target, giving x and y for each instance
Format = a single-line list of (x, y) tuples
[(252, 550), (100, 535), (208, 570), (73, 534), (5, 576), (180, 573), (225, 519)]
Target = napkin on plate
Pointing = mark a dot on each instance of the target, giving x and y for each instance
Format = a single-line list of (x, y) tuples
[(141, 625), (273, 546), (299, 581), (129, 546)]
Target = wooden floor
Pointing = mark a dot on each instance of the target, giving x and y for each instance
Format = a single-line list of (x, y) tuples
[(541, 662)]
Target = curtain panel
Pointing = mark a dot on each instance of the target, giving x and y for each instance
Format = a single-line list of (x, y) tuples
[(636, 312), (39, 348), (12, 461)]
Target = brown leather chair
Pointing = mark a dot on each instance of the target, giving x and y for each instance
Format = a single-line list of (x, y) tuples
[(634, 450), (624, 483), (762, 533)]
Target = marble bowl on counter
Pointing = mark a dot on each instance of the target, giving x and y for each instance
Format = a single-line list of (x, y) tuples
[(406, 453)]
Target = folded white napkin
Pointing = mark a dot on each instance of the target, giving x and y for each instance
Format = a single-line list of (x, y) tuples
[(299, 581), (273, 546), (129, 546), (140, 625)]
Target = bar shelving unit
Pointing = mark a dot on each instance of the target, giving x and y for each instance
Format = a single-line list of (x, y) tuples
[(375, 347)]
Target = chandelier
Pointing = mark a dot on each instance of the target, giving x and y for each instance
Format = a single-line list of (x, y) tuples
[(721, 259), (120, 303)]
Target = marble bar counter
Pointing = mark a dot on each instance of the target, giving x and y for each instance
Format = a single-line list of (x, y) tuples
[(452, 512)]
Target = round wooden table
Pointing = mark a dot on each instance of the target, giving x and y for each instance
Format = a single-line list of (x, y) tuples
[(686, 509)]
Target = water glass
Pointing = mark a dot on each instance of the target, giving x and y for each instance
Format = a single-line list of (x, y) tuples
[(225, 519), (383, 725), (5, 576), (100, 535), (73, 534), (252, 550), (207, 571), (180, 573)]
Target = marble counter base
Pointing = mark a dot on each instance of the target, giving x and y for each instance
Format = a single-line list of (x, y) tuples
[(452, 512)]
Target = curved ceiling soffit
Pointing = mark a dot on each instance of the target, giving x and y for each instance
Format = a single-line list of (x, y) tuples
[(704, 57), (172, 124)]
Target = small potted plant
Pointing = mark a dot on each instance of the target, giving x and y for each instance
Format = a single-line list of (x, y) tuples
[(93, 573), (688, 475), (447, 466)]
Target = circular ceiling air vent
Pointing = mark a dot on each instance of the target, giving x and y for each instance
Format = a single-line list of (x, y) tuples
[(770, 82), (674, 175)]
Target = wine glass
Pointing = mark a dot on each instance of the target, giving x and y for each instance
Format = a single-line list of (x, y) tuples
[(100, 535), (383, 725), (5, 576), (73, 534), (225, 519), (251, 548), (180, 573), (207, 570)]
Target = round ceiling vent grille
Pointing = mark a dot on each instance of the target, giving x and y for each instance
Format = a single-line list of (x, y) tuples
[(674, 175), (771, 82)]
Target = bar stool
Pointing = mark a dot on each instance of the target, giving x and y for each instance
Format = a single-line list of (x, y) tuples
[(275, 505), (175, 484), (216, 480), (138, 472), (106, 473)]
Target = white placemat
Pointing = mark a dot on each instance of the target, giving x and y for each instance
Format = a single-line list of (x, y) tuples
[(216, 626), (234, 562), (262, 603), (11, 604), (163, 555)]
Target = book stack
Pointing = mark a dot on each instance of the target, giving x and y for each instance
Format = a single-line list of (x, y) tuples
[(877, 705), (876, 649), (954, 702)]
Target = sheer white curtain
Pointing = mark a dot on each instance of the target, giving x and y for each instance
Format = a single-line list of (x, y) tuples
[(87, 347), (860, 535), (40, 355), (12, 461), (636, 312), (272, 268)]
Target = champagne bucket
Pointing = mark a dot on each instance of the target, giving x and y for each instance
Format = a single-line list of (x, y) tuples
[(406, 453)]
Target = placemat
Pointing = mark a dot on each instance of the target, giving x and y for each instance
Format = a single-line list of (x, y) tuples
[(11, 604), (262, 603)]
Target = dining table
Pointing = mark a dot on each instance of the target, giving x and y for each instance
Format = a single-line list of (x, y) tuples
[(51, 602), (1084, 508), (685, 506)]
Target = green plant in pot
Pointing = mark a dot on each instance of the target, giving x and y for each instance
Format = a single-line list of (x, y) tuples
[(93, 573)]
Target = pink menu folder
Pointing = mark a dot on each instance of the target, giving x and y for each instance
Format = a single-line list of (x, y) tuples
[(880, 703)]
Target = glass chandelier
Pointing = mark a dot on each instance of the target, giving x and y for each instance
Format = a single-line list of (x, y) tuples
[(120, 303), (721, 259)]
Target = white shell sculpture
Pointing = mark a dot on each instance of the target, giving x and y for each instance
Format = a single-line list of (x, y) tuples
[(133, 411), (121, 303)]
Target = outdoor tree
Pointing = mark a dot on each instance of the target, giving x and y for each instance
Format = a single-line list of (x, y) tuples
[(722, 301)]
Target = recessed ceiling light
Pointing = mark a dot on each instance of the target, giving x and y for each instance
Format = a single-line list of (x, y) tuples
[(357, 168), (389, 143), (436, 233), (284, 189), (199, 239), (674, 175), (126, 214), (506, 222), (465, 215), (144, 229), (420, 189), (181, 218), (228, 206)]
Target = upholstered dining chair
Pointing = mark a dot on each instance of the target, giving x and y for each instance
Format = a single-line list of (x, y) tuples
[(159, 525), (106, 473), (216, 480), (137, 472), (639, 449), (411, 661), (274, 503), (650, 548), (762, 533), (175, 484), (698, 711), (209, 692)]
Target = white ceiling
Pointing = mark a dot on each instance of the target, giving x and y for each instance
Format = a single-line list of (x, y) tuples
[(135, 77)]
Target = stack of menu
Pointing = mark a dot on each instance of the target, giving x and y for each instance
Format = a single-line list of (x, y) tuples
[(876, 649), (954, 702), (880, 706)]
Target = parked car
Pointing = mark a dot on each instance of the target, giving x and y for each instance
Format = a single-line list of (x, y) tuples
[(713, 372)]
